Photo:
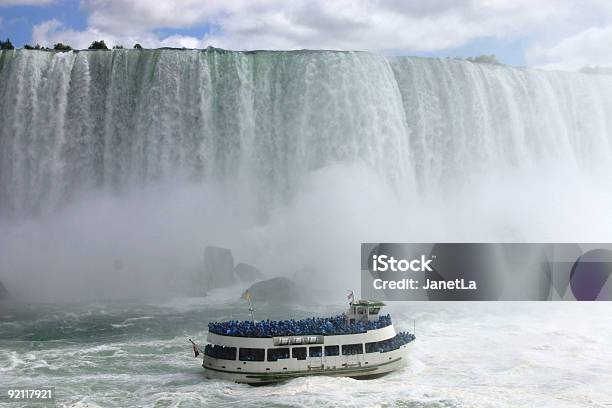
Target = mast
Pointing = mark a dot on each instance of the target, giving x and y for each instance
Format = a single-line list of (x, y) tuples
[(351, 298), (251, 310)]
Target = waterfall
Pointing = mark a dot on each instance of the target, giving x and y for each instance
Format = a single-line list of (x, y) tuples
[(77, 122), (289, 158)]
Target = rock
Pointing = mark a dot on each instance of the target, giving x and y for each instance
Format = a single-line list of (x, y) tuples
[(285, 290), (248, 273), (3, 292), (282, 290), (218, 267)]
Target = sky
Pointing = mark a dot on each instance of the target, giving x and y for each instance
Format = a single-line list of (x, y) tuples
[(549, 34)]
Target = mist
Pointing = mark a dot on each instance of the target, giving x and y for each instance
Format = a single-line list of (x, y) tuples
[(150, 242)]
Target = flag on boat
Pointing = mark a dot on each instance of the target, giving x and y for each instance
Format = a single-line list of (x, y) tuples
[(350, 295), (196, 350), (247, 295)]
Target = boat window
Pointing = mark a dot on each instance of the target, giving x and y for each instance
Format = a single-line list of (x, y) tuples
[(251, 354), (332, 350), (315, 351), (350, 349), (221, 352), (374, 310), (372, 347), (360, 310), (278, 353), (299, 353)]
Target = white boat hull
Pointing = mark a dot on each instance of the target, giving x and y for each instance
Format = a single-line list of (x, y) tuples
[(363, 366)]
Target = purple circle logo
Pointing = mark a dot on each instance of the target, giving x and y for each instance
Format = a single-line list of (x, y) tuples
[(589, 275)]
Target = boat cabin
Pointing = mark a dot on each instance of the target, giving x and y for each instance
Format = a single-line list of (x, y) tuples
[(363, 311)]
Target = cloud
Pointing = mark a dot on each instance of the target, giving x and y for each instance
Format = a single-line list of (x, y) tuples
[(53, 31), (373, 26), (126, 16), (561, 33), (590, 47), (342, 24)]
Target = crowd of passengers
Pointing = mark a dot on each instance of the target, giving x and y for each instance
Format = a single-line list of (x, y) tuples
[(229, 353), (390, 344), (310, 326)]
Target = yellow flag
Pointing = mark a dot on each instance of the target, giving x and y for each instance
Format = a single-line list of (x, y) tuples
[(247, 295)]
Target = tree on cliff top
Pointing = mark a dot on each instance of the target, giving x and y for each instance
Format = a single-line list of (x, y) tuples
[(484, 59), (98, 45), (6, 45), (62, 47)]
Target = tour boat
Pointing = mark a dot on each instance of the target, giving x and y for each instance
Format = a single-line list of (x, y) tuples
[(360, 343)]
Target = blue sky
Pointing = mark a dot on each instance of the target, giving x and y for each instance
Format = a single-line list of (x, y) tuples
[(18, 21), (559, 34)]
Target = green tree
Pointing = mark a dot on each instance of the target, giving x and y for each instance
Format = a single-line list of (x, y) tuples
[(137, 46), (62, 47), (98, 45), (118, 47), (6, 45), (485, 59)]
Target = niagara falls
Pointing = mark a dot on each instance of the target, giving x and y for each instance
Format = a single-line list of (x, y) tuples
[(306, 153)]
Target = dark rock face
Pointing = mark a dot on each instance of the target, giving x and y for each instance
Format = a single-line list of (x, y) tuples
[(248, 273), (3, 292), (285, 290), (282, 290), (218, 267)]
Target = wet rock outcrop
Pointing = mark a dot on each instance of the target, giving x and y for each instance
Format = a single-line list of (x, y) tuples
[(218, 267), (279, 290), (248, 273)]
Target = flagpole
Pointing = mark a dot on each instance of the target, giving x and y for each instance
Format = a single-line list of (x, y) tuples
[(247, 295), (196, 349), (251, 310)]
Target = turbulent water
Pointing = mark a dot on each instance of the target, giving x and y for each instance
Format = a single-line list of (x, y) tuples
[(111, 120), (466, 355)]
